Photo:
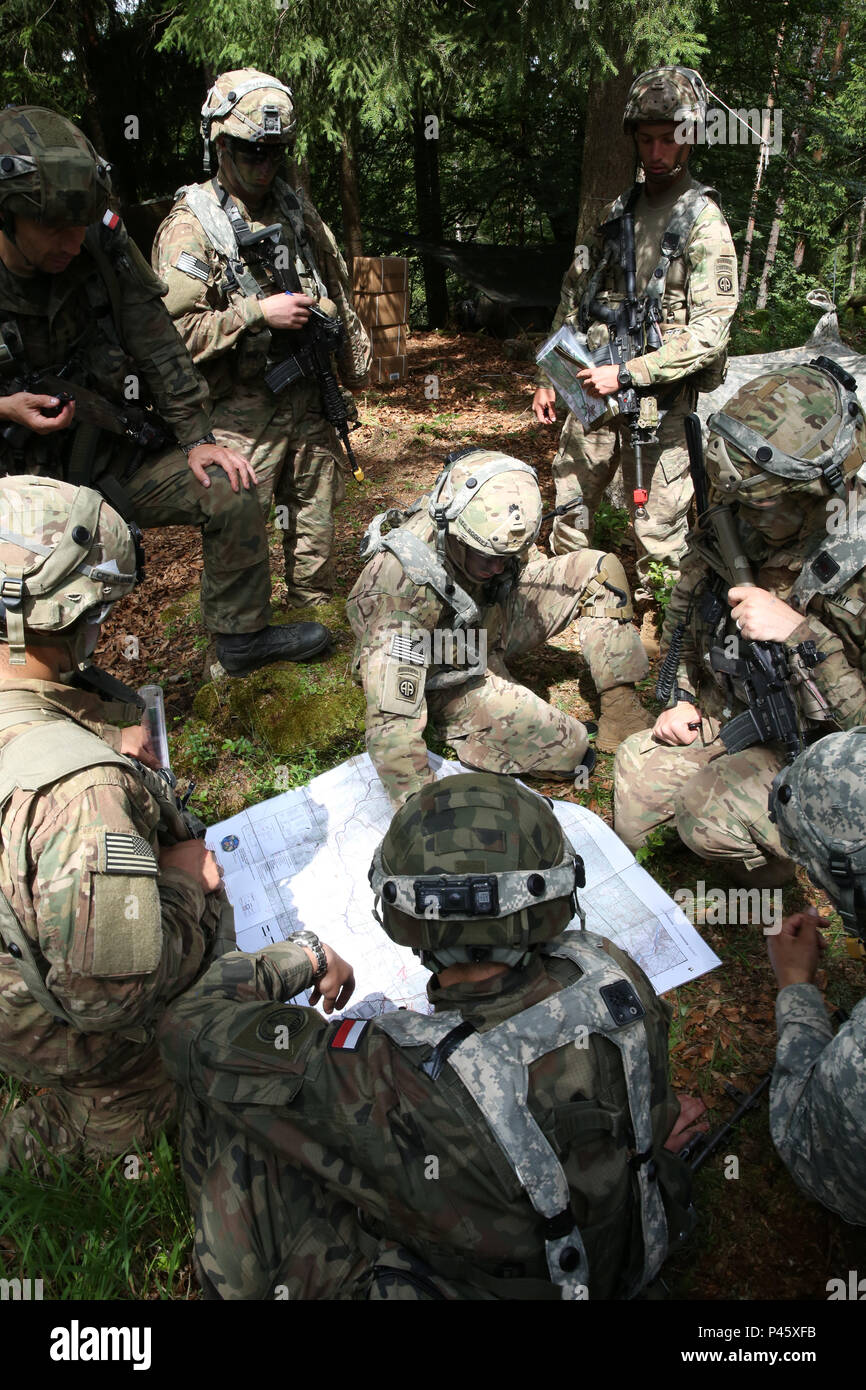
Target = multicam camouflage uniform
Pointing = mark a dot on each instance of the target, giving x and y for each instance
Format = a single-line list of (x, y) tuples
[(60, 871), (698, 305), (818, 1094), (492, 722), (716, 799), (104, 316), (95, 937), (295, 452), (341, 1160)]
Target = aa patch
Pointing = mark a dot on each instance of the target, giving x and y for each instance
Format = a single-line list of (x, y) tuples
[(402, 688), (127, 854), (725, 272), (349, 1034)]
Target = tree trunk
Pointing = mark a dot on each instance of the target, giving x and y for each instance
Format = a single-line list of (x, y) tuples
[(762, 162), (429, 205), (350, 199), (793, 150), (858, 242), (302, 177), (608, 153)]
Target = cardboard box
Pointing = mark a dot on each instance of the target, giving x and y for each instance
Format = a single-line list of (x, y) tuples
[(390, 341), (388, 369), (382, 310), (379, 274)]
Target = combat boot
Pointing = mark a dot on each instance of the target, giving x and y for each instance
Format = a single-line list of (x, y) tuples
[(587, 763), (622, 714), (241, 652)]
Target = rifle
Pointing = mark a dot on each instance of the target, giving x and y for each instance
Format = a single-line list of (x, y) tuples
[(309, 350), (633, 330), (146, 430), (761, 667), (698, 1150)]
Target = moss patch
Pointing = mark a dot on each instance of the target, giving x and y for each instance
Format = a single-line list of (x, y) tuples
[(292, 706)]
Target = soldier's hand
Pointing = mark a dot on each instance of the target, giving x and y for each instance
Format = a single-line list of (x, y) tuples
[(238, 469), (760, 616), (135, 742), (543, 403), (194, 859), (599, 381), (686, 1125), (672, 725), (25, 408), (287, 310), (337, 985), (795, 950)]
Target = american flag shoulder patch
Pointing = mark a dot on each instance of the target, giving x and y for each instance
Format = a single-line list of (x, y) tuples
[(349, 1033), (191, 265), (128, 854)]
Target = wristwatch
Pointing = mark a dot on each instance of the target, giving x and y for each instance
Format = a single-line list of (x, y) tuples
[(624, 377), (312, 942), (205, 439)]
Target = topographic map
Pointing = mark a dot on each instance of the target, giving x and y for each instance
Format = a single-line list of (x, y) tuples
[(300, 861)]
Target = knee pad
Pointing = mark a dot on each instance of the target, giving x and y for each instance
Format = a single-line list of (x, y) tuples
[(607, 594)]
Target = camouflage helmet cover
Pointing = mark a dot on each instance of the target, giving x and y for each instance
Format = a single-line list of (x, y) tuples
[(796, 428), (819, 806), (49, 170), (63, 552), (473, 867), (666, 94), (488, 501), (249, 105)]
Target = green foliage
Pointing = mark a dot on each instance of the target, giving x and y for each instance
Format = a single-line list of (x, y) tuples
[(99, 1232), (654, 846), (660, 581), (610, 527)]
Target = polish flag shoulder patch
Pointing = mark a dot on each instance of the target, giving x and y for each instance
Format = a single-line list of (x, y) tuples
[(110, 220), (349, 1034)]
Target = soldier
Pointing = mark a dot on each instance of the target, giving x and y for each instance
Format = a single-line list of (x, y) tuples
[(237, 317), (452, 595), (685, 267), (786, 448), (398, 1157), (818, 1094), (103, 918), (76, 298)]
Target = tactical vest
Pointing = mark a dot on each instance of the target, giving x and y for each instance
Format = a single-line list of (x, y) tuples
[(217, 225), (33, 760), (493, 1067), (421, 564), (686, 211), (833, 561)]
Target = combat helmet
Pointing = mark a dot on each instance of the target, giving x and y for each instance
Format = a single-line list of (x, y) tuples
[(486, 500), (65, 554), (248, 105), (666, 94), (475, 868), (49, 170), (793, 429), (818, 804)]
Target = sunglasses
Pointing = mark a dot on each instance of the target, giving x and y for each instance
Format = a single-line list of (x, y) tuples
[(250, 153)]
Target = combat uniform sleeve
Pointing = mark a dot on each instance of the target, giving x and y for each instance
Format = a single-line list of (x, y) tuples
[(209, 321), (120, 936), (178, 390), (818, 1100), (355, 358), (712, 301), (841, 677)]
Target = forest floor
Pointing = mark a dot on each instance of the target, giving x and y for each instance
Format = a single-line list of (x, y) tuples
[(92, 1234)]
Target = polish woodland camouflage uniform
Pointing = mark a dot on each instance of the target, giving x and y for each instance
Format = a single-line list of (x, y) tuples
[(104, 319), (331, 1160), (697, 307), (295, 452), (110, 936), (491, 721), (818, 1093), (718, 800)]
